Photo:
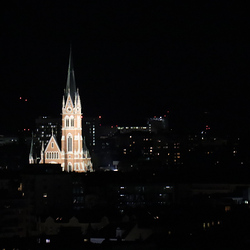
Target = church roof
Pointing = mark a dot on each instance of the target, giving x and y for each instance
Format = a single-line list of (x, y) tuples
[(71, 84)]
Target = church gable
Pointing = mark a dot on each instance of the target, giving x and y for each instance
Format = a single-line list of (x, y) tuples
[(69, 104), (52, 152)]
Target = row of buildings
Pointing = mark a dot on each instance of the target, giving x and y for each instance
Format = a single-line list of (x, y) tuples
[(153, 145), (43, 202)]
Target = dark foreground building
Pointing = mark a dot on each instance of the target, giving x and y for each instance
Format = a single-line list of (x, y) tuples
[(44, 206)]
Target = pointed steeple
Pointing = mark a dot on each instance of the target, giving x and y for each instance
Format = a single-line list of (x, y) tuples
[(42, 154), (85, 149), (31, 159), (70, 85)]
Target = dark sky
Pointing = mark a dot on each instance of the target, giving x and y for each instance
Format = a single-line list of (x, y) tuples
[(132, 59)]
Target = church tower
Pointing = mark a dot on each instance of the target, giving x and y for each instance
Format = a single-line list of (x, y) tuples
[(74, 157)]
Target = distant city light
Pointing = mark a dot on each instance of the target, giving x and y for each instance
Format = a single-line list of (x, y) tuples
[(99, 116)]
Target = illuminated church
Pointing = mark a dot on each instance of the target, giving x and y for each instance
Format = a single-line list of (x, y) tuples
[(73, 155)]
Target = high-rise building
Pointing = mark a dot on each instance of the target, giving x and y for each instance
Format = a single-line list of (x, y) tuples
[(73, 155)]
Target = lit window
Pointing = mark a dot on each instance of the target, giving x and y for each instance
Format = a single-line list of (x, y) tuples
[(45, 195)]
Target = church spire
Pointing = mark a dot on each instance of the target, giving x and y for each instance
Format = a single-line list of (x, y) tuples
[(31, 159), (70, 85)]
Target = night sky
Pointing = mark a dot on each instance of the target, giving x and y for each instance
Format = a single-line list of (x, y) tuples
[(132, 60)]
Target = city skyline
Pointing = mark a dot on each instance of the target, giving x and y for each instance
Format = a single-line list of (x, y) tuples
[(131, 61)]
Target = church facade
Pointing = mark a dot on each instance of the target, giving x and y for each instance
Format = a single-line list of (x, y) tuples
[(73, 154)]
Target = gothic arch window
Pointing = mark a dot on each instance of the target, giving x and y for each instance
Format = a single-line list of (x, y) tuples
[(70, 143), (47, 155), (67, 122), (72, 122)]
